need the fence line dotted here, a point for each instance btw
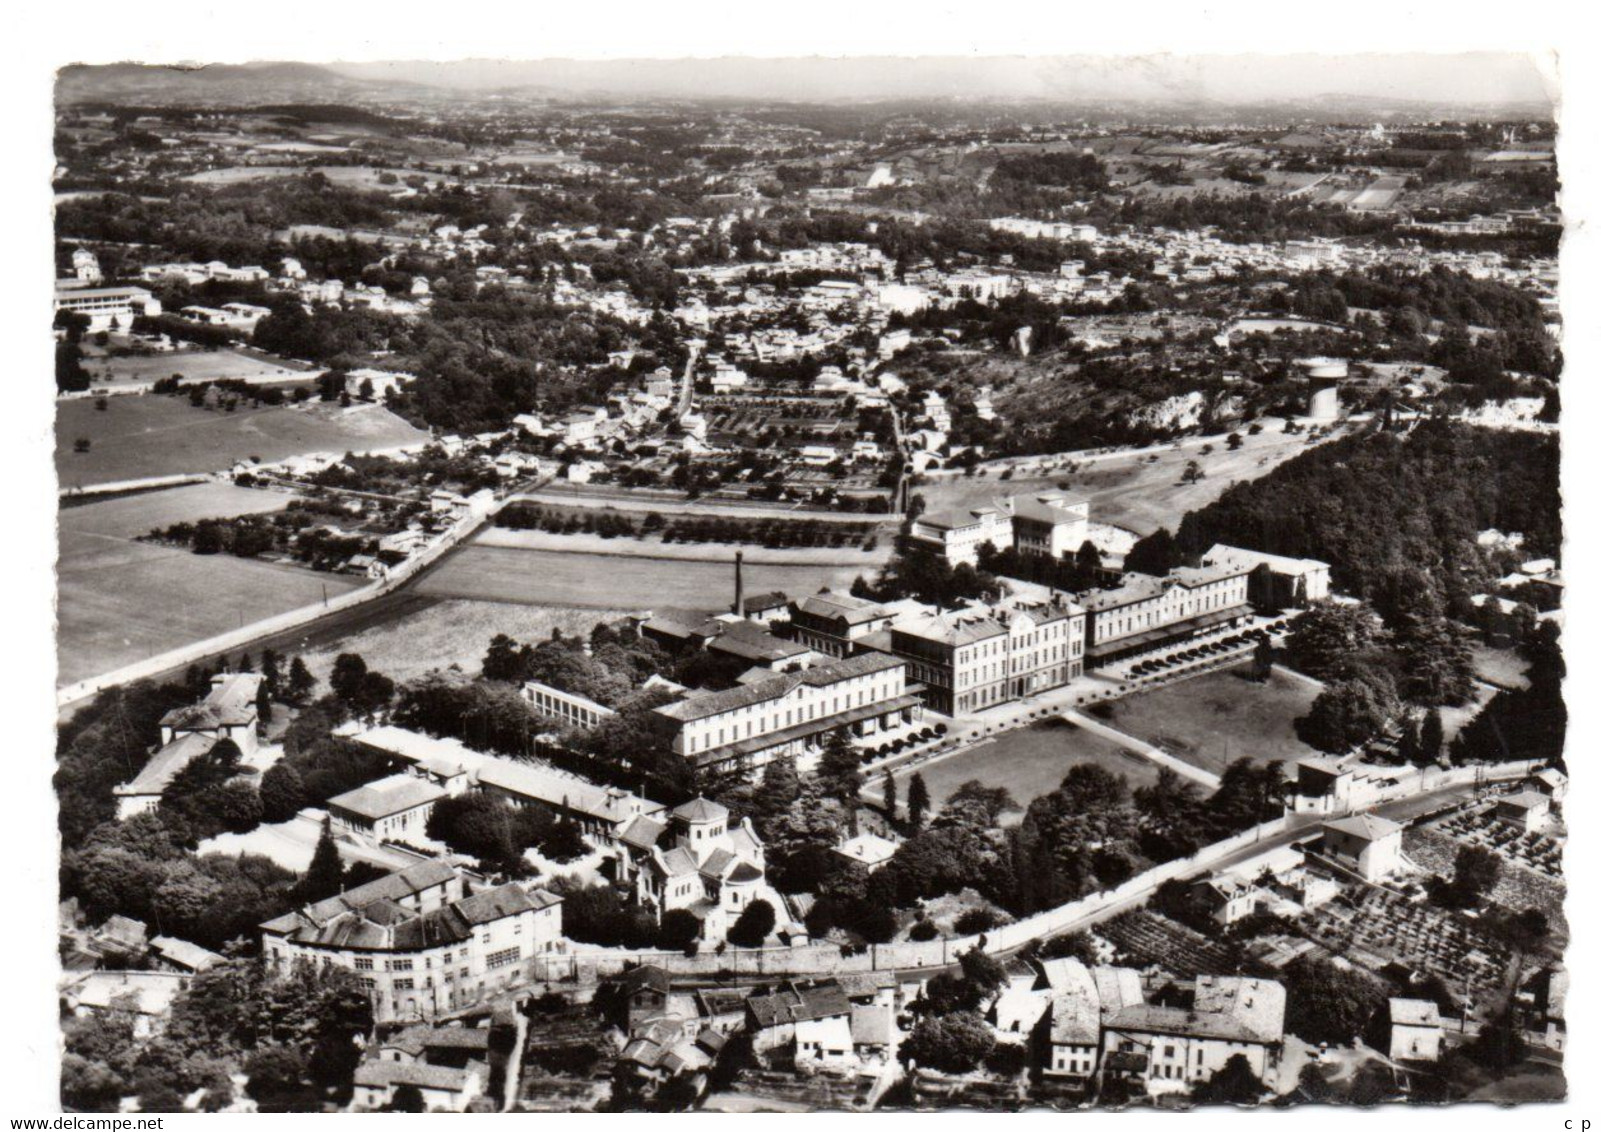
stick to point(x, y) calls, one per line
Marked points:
point(828, 959)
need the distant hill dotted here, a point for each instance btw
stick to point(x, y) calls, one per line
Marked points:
point(221, 83)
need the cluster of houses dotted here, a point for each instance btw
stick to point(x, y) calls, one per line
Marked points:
point(1077, 1025)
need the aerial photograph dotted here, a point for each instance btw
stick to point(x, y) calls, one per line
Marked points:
point(790, 585)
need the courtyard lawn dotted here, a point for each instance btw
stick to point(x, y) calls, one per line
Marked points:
point(119, 600)
point(1029, 761)
point(599, 581)
point(146, 435)
point(1211, 720)
point(449, 634)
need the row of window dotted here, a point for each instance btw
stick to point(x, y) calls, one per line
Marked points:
point(760, 723)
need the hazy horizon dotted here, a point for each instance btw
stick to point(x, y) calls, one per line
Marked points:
point(1480, 78)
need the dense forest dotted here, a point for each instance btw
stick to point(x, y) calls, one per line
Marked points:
point(1379, 505)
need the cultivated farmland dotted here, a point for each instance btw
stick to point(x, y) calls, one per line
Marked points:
point(148, 435)
point(120, 600)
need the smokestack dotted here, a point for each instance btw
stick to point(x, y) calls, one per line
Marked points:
point(739, 584)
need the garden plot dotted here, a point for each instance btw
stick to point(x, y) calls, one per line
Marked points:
point(1375, 927)
point(1517, 887)
point(1535, 851)
point(1144, 937)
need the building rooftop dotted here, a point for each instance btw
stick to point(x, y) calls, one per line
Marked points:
point(384, 1074)
point(1367, 826)
point(387, 797)
point(164, 765)
point(820, 676)
point(1414, 1012)
point(841, 607)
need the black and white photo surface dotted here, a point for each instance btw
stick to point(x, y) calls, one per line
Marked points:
point(850, 584)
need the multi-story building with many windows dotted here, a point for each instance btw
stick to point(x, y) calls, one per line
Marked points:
point(418, 942)
point(1144, 612)
point(971, 659)
point(790, 712)
point(1049, 523)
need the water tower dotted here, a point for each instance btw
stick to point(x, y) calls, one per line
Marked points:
point(1325, 374)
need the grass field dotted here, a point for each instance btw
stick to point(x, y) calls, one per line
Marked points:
point(119, 600)
point(1029, 761)
point(596, 581)
point(198, 365)
point(1214, 719)
point(352, 176)
point(142, 436)
point(450, 633)
point(1133, 492)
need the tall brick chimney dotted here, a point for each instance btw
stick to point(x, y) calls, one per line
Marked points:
point(739, 583)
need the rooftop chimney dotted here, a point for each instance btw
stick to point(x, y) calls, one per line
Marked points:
point(739, 584)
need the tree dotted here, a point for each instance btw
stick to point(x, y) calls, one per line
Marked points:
point(951, 1043)
point(1235, 441)
point(917, 802)
point(408, 1097)
point(1193, 472)
point(1325, 1002)
point(839, 769)
point(1350, 712)
point(754, 925)
point(277, 1079)
point(283, 795)
point(890, 800)
point(1235, 1083)
point(504, 660)
point(301, 681)
point(1329, 641)
point(325, 876)
point(680, 928)
point(348, 677)
point(1431, 741)
point(1474, 875)
point(1155, 554)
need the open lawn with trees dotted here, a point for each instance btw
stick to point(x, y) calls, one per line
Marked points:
point(1029, 761)
point(1211, 720)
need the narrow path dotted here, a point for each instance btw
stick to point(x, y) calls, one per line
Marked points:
point(514, 1062)
point(1140, 747)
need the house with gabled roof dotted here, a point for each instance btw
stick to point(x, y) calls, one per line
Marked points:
point(190, 732)
point(443, 1088)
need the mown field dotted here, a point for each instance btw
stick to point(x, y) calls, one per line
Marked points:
point(112, 373)
point(119, 600)
point(149, 435)
point(1029, 761)
point(453, 633)
point(1212, 720)
point(598, 581)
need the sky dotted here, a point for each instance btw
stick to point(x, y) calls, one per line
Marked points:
point(1459, 79)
